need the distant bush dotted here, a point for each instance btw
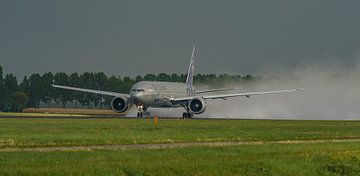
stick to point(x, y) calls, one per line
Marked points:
point(343, 166)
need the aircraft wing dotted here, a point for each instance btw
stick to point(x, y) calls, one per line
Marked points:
point(214, 90)
point(225, 96)
point(115, 94)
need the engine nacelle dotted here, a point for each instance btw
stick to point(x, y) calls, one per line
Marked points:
point(197, 105)
point(120, 104)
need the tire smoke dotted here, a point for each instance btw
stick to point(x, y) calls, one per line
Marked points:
point(331, 92)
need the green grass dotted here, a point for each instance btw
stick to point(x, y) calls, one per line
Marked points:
point(325, 158)
point(19, 114)
point(74, 132)
point(271, 159)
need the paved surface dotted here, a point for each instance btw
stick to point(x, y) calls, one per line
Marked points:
point(169, 145)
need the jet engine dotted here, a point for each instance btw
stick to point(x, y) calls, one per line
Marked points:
point(120, 104)
point(197, 105)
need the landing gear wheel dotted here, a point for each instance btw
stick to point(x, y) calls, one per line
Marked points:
point(187, 115)
point(140, 111)
point(139, 114)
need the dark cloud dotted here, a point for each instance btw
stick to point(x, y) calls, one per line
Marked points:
point(137, 37)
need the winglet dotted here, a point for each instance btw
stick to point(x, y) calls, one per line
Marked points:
point(190, 75)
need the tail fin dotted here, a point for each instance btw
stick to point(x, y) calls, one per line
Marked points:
point(190, 74)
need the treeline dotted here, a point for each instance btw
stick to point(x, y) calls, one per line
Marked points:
point(36, 88)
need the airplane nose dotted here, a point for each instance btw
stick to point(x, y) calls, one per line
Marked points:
point(137, 94)
point(137, 97)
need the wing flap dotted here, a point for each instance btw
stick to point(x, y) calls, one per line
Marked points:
point(214, 90)
point(248, 94)
point(224, 96)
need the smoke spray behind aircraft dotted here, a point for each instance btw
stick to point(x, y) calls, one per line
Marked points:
point(331, 92)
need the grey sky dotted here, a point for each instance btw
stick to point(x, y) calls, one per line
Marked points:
point(136, 37)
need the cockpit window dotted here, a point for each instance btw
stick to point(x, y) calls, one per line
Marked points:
point(137, 90)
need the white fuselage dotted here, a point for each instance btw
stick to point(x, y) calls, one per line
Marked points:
point(158, 94)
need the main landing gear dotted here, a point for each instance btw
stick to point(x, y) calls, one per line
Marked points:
point(187, 114)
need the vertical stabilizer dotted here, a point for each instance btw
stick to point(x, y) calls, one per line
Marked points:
point(190, 74)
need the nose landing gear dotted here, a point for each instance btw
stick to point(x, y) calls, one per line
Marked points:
point(140, 114)
point(140, 111)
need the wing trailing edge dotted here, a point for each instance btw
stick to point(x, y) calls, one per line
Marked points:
point(225, 96)
point(108, 93)
point(214, 90)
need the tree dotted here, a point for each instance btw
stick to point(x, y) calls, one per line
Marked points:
point(1, 74)
point(163, 77)
point(86, 82)
point(74, 81)
point(138, 78)
point(114, 84)
point(25, 87)
point(248, 78)
point(2, 100)
point(99, 80)
point(36, 90)
point(175, 78)
point(48, 94)
point(10, 86)
point(62, 95)
point(149, 77)
point(127, 83)
point(17, 101)
point(182, 77)
point(199, 78)
point(224, 79)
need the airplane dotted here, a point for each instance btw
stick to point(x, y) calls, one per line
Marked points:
point(145, 94)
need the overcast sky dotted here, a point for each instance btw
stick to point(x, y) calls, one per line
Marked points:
point(137, 37)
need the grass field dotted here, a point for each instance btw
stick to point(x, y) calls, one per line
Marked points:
point(36, 114)
point(73, 111)
point(286, 159)
point(323, 158)
point(69, 132)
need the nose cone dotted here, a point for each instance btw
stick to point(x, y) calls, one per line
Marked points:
point(138, 93)
point(138, 97)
